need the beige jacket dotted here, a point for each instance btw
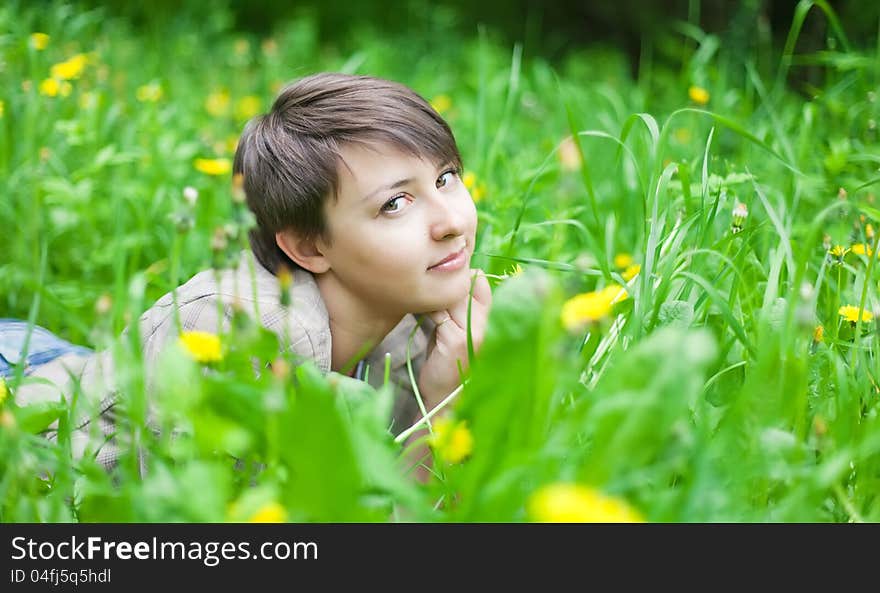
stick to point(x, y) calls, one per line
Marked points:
point(303, 328)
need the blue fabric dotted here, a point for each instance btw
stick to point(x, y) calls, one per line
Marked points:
point(43, 346)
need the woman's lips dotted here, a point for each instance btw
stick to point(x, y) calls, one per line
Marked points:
point(451, 263)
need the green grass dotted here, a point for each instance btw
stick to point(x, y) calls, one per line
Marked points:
point(701, 397)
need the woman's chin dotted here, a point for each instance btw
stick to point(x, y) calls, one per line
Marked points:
point(442, 302)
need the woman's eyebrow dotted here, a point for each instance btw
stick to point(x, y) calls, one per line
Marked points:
point(396, 185)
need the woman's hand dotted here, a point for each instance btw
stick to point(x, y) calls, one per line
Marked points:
point(447, 345)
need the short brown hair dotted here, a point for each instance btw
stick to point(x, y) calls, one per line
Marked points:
point(288, 158)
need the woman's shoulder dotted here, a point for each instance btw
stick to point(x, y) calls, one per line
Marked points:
point(210, 299)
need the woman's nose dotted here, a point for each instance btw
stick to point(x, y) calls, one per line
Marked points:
point(447, 217)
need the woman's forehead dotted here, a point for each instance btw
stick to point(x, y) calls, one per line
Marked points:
point(367, 167)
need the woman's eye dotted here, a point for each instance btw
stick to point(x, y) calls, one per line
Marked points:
point(393, 205)
point(446, 177)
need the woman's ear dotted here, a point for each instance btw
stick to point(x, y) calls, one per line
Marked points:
point(304, 252)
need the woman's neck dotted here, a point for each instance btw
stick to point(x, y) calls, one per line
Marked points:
point(355, 326)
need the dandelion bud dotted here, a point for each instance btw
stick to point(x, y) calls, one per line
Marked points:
point(820, 427)
point(806, 291)
point(103, 304)
point(805, 311)
point(7, 420)
point(869, 231)
point(585, 261)
point(270, 47)
point(238, 195)
point(740, 213)
point(826, 241)
point(183, 221)
point(280, 368)
point(190, 194)
point(218, 240)
point(841, 194)
point(231, 231)
point(285, 281)
point(569, 155)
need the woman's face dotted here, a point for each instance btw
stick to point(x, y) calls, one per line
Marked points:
point(395, 218)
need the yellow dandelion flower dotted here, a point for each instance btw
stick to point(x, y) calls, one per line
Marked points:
point(149, 93)
point(862, 249)
point(818, 333)
point(452, 441)
point(247, 107)
point(590, 306)
point(869, 231)
point(475, 188)
point(2, 108)
point(573, 503)
point(623, 260)
point(698, 95)
point(4, 391)
point(52, 88)
point(631, 272)
point(49, 87)
point(584, 308)
point(851, 314)
point(514, 270)
point(217, 103)
point(441, 103)
point(213, 166)
point(202, 346)
point(614, 293)
point(71, 68)
point(38, 41)
point(569, 155)
point(271, 512)
point(838, 251)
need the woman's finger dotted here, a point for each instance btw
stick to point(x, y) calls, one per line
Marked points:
point(481, 291)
